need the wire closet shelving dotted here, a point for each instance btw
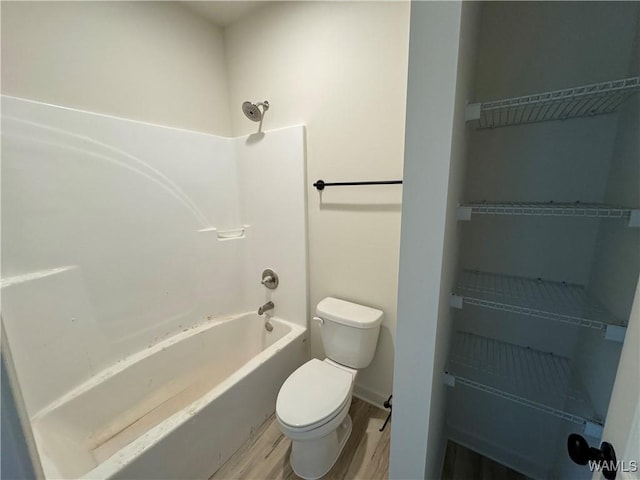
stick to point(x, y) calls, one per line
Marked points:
point(535, 379)
point(549, 209)
point(556, 301)
point(587, 100)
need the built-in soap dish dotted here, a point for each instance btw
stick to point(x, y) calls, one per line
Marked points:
point(227, 233)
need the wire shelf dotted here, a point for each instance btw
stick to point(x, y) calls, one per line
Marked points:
point(544, 209)
point(588, 100)
point(535, 379)
point(558, 301)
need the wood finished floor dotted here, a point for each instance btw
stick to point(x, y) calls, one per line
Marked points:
point(266, 454)
point(460, 463)
point(365, 456)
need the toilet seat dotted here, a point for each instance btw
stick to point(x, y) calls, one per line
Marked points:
point(313, 395)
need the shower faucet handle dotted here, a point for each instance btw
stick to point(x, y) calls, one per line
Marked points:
point(270, 279)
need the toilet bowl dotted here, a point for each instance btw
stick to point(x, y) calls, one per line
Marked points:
point(312, 407)
point(312, 410)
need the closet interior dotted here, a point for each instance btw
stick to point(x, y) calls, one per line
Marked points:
point(550, 230)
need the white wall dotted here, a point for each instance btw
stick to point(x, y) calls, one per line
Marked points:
point(622, 428)
point(340, 68)
point(103, 243)
point(431, 105)
point(616, 264)
point(465, 85)
point(156, 62)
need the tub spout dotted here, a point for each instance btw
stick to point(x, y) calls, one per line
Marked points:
point(265, 308)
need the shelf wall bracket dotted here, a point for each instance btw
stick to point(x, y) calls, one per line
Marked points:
point(593, 429)
point(448, 379)
point(634, 219)
point(455, 301)
point(615, 333)
point(472, 112)
point(463, 213)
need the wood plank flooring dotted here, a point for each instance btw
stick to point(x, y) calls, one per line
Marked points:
point(460, 463)
point(365, 456)
point(266, 454)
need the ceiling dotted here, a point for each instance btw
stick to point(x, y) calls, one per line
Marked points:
point(224, 14)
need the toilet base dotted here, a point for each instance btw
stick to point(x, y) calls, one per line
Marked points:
point(312, 459)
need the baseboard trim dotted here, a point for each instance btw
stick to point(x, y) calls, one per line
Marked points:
point(370, 396)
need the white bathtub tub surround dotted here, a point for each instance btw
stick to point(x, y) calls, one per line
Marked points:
point(118, 237)
point(178, 409)
point(122, 203)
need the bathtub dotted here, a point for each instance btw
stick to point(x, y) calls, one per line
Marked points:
point(179, 409)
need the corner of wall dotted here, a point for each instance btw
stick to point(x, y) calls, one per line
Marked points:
point(117, 58)
point(465, 80)
point(433, 70)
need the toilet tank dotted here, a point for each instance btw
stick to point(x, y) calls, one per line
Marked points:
point(349, 331)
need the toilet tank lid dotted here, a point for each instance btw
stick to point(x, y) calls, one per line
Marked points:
point(347, 313)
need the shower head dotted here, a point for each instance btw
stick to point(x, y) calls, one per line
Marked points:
point(252, 111)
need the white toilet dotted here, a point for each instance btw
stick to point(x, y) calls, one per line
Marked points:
point(313, 403)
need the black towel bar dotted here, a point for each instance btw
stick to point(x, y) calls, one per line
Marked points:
point(320, 184)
